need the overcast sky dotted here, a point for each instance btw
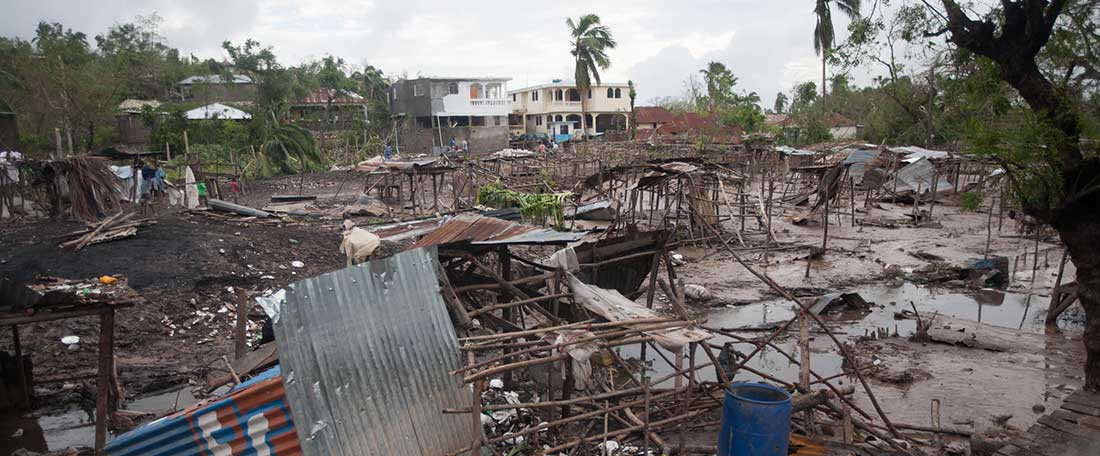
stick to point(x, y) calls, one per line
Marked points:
point(766, 43)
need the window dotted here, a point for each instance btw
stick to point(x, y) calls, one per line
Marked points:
point(513, 98)
point(452, 88)
point(549, 119)
point(493, 91)
point(610, 93)
point(538, 120)
point(558, 118)
point(476, 91)
point(618, 93)
point(418, 90)
point(395, 93)
point(496, 120)
point(589, 94)
point(424, 122)
point(559, 95)
point(477, 121)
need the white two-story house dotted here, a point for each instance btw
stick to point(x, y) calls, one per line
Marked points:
point(555, 108)
point(432, 111)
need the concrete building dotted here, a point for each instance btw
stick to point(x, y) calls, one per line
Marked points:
point(555, 108)
point(430, 111)
point(843, 128)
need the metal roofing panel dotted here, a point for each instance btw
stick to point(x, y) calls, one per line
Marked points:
point(860, 156)
point(252, 419)
point(477, 229)
point(366, 353)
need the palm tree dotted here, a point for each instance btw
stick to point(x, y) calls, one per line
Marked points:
point(719, 82)
point(590, 44)
point(823, 32)
point(633, 116)
point(291, 142)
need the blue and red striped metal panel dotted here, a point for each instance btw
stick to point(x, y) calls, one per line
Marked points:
point(252, 419)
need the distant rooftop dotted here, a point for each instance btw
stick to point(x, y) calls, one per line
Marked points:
point(567, 83)
point(136, 106)
point(215, 79)
point(455, 78)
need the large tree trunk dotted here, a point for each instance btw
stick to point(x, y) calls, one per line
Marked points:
point(1024, 30)
point(1081, 234)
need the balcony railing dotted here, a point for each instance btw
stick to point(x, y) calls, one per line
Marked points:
point(489, 102)
point(569, 104)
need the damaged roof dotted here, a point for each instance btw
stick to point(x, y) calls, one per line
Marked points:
point(366, 355)
point(480, 230)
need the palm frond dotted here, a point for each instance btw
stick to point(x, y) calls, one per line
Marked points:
point(849, 7)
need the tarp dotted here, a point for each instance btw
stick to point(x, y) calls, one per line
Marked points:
point(127, 183)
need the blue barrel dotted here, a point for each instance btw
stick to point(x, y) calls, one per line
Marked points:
point(756, 421)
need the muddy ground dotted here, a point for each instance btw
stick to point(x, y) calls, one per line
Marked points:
point(186, 265)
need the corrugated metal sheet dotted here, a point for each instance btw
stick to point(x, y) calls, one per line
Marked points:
point(366, 353)
point(253, 419)
point(322, 97)
point(919, 174)
point(479, 230)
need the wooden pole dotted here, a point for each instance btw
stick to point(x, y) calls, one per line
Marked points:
point(57, 139)
point(240, 331)
point(988, 230)
point(804, 368)
point(103, 381)
point(25, 390)
point(1055, 294)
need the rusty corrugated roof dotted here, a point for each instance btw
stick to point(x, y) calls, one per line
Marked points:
point(477, 229)
point(321, 96)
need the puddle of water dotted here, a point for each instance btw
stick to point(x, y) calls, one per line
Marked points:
point(1010, 310)
point(72, 427)
point(47, 433)
point(165, 401)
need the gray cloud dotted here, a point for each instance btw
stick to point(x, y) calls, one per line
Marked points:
point(766, 43)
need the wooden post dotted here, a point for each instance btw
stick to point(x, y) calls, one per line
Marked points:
point(852, 198)
point(935, 185)
point(804, 368)
point(504, 259)
point(1055, 294)
point(25, 399)
point(475, 408)
point(103, 381)
point(57, 139)
point(825, 236)
point(240, 331)
point(988, 230)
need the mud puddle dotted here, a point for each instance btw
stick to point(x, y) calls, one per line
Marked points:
point(55, 430)
point(45, 433)
point(1006, 309)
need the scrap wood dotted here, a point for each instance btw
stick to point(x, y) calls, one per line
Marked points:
point(262, 357)
point(613, 306)
point(114, 227)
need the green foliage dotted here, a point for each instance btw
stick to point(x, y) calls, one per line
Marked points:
point(535, 208)
point(591, 41)
point(289, 149)
point(970, 201)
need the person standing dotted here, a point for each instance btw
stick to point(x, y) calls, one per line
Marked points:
point(465, 147)
point(387, 153)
